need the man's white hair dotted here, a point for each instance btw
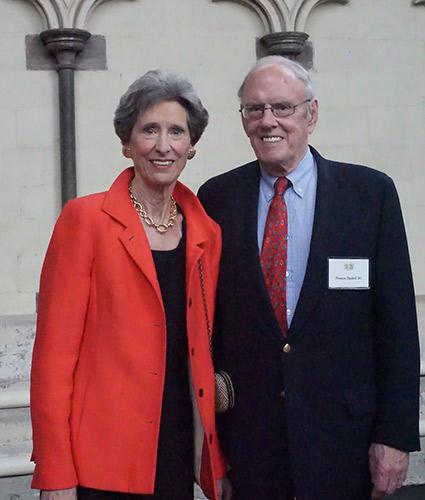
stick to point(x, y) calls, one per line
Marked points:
point(296, 68)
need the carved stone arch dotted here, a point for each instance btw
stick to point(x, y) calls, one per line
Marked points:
point(274, 14)
point(66, 13)
point(83, 10)
point(49, 13)
point(284, 15)
point(303, 9)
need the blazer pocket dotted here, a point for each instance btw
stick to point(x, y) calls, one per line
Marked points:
point(360, 402)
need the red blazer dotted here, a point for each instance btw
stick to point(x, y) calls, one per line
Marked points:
point(99, 356)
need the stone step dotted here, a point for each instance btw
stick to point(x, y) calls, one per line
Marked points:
point(15, 442)
point(15, 426)
point(15, 430)
point(15, 395)
point(16, 339)
point(17, 488)
point(416, 472)
point(16, 342)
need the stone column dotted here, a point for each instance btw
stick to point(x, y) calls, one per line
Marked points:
point(284, 43)
point(291, 44)
point(65, 44)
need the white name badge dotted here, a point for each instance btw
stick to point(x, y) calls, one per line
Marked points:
point(349, 273)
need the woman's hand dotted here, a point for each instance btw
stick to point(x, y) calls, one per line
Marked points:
point(224, 489)
point(68, 494)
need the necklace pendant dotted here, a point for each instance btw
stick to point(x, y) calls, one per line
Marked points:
point(161, 228)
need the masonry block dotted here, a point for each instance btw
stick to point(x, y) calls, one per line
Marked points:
point(9, 132)
point(8, 266)
point(29, 132)
point(11, 54)
point(14, 302)
point(29, 266)
point(38, 203)
point(16, 342)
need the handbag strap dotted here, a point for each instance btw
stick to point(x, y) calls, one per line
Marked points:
point(204, 300)
point(224, 392)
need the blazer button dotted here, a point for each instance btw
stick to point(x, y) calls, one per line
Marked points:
point(287, 348)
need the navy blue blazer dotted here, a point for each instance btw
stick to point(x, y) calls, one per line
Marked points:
point(351, 376)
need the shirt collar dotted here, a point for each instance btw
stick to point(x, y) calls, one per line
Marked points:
point(299, 177)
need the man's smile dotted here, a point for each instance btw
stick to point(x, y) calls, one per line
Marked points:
point(272, 138)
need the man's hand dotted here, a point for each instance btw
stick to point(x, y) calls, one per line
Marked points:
point(68, 494)
point(224, 489)
point(388, 469)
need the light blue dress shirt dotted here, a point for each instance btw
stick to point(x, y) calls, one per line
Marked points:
point(300, 199)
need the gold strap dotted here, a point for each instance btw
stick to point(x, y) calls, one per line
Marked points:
point(204, 300)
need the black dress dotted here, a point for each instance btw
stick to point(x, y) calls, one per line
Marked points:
point(174, 474)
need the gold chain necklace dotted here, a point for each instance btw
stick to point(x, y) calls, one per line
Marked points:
point(143, 214)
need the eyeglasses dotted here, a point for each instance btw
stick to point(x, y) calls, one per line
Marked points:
point(279, 110)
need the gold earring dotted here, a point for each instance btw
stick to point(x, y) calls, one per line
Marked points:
point(191, 153)
point(126, 152)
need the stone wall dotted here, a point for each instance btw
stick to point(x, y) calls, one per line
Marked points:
point(369, 74)
point(368, 69)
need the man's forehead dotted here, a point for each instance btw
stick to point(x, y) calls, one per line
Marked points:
point(273, 69)
point(272, 78)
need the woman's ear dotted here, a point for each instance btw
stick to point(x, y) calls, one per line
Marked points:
point(126, 152)
point(191, 153)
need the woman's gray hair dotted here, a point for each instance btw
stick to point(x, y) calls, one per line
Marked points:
point(296, 68)
point(154, 87)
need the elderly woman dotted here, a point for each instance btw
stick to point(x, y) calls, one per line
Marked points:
point(122, 377)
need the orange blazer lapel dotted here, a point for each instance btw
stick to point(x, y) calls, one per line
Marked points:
point(118, 205)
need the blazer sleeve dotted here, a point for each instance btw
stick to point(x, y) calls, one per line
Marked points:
point(62, 307)
point(397, 340)
point(217, 453)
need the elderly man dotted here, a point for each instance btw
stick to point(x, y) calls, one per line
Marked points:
point(316, 321)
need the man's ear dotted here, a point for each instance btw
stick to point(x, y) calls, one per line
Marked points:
point(244, 126)
point(314, 115)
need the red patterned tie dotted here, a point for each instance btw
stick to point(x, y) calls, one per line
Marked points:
point(274, 253)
